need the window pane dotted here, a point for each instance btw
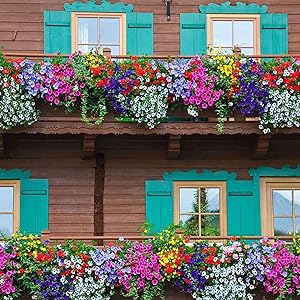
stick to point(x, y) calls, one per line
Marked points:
point(283, 226)
point(297, 202)
point(210, 225)
point(282, 202)
point(87, 30)
point(243, 35)
point(115, 50)
point(297, 226)
point(247, 51)
point(110, 31)
point(210, 200)
point(6, 199)
point(6, 225)
point(87, 48)
point(222, 33)
point(188, 200)
point(191, 223)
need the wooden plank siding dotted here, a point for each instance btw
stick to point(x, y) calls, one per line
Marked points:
point(71, 180)
point(26, 16)
point(129, 161)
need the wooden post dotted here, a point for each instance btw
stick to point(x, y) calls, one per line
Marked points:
point(107, 53)
point(237, 51)
point(45, 235)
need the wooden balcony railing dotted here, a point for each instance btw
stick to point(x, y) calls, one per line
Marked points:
point(46, 235)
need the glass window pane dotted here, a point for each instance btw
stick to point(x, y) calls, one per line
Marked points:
point(210, 200)
point(297, 220)
point(210, 225)
point(6, 225)
point(243, 33)
point(87, 30)
point(115, 50)
point(283, 226)
point(87, 48)
point(282, 202)
point(188, 200)
point(6, 199)
point(222, 33)
point(110, 31)
point(297, 202)
point(191, 223)
point(247, 51)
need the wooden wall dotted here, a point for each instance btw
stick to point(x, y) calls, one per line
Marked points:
point(71, 180)
point(130, 160)
point(26, 16)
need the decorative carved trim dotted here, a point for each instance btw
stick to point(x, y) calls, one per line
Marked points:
point(174, 147)
point(88, 146)
point(2, 147)
point(228, 8)
point(285, 171)
point(92, 6)
point(259, 146)
point(14, 174)
point(206, 175)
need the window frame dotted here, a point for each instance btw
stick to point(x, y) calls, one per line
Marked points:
point(234, 17)
point(202, 184)
point(74, 27)
point(267, 212)
point(16, 202)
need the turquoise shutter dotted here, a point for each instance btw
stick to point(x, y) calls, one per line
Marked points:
point(34, 206)
point(139, 33)
point(159, 204)
point(193, 39)
point(243, 212)
point(57, 32)
point(274, 33)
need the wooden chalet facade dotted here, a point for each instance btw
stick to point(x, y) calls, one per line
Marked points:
point(107, 180)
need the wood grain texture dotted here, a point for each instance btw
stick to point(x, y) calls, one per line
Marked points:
point(27, 18)
point(71, 180)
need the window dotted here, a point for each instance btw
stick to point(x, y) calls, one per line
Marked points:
point(201, 206)
point(9, 207)
point(280, 206)
point(90, 31)
point(227, 31)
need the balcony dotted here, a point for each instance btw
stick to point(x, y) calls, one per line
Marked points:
point(221, 102)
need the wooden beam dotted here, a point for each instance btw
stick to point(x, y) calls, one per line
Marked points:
point(88, 146)
point(259, 146)
point(174, 146)
point(2, 147)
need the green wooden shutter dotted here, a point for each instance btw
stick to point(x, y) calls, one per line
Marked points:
point(274, 33)
point(243, 213)
point(193, 39)
point(139, 33)
point(34, 206)
point(57, 32)
point(159, 204)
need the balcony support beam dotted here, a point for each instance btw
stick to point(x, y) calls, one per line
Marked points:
point(174, 146)
point(88, 146)
point(259, 146)
point(2, 147)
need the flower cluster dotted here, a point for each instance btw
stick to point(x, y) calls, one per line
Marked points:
point(250, 92)
point(142, 90)
point(139, 270)
point(7, 272)
point(16, 106)
point(283, 271)
point(201, 86)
